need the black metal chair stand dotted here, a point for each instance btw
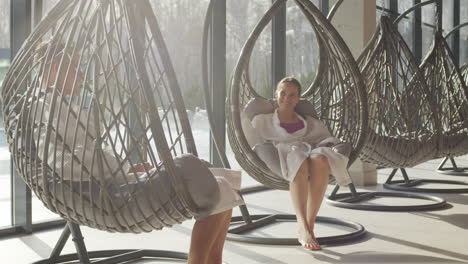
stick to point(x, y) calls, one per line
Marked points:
point(255, 189)
point(103, 256)
point(407, 184)
point(247, 223)
point(353, 199)
point(454, 170)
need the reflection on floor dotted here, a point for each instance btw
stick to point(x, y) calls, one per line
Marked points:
point(393, 237)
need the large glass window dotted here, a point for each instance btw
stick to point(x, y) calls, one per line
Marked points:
point(428, 14)
point(302, 51)
point(242, 16)
point(383, 8)
point(406, 25)
point(463, 33)
point(5, 179)
point(40, 213)
point(448, 21)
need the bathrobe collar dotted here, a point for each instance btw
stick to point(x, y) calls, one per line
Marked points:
point(299, 133)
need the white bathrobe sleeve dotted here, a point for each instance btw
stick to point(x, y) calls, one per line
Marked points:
point(294, 148)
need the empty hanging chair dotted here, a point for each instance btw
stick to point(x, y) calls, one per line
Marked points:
point(402, 116)
point(336, 97)
point(96, 122)
point(450, 84)
point(360, 200)
point(404, 122)
point(448, 87)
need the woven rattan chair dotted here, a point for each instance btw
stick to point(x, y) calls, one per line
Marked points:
point(358, 200)
point(451, 94)
point(90, 96)
point(337, 95)
point(447, 84)
point(458, 127)
point(404, 121)
point(401, 113)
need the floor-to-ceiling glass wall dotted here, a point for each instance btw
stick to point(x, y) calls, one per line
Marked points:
point(302, 51)
point(5, 179)
point(40, 213)
point(463, 33)
point(454, 12)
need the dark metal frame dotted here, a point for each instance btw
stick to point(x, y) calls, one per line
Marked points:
point(278, 46)
point(104, 256)
point(352, 200)
point(20, 28)
point(407, 184)
point(9, 231)
point(217, 67)
point(417, 33)
point(455, 42)
point(237, 233)
point(454, 170)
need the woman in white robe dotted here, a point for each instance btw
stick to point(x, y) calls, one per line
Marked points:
point(306, 156)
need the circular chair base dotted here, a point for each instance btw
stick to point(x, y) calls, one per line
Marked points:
point(453, 172)
point(119, 256)
point(402, 185)
point(350, 201)
point(358, 232)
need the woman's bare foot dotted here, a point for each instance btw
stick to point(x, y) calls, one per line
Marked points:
point(308, 240)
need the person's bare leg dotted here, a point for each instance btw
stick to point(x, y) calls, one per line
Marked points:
point(298, 189)
point(319, 173)
point(216, 252)
point(205, 240)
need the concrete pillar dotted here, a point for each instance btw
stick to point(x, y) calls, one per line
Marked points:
point(355, 20)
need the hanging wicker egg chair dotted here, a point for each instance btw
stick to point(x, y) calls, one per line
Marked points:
point(342, 99)
point(447, 85)
point(390, 75)
point(405, 126)
point(336, 94)
point(403, 122)
point(454, 104)
point(97, 126)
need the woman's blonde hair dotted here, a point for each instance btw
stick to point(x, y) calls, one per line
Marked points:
point(289, 79)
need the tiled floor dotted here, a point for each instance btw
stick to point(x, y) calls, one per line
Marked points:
point(392, 237)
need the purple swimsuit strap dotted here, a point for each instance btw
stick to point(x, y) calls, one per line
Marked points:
point(292, 127)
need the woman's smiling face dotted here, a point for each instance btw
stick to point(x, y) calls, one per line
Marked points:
point(288, 96)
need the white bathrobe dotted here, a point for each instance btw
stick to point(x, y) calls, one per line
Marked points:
point(294, 148)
